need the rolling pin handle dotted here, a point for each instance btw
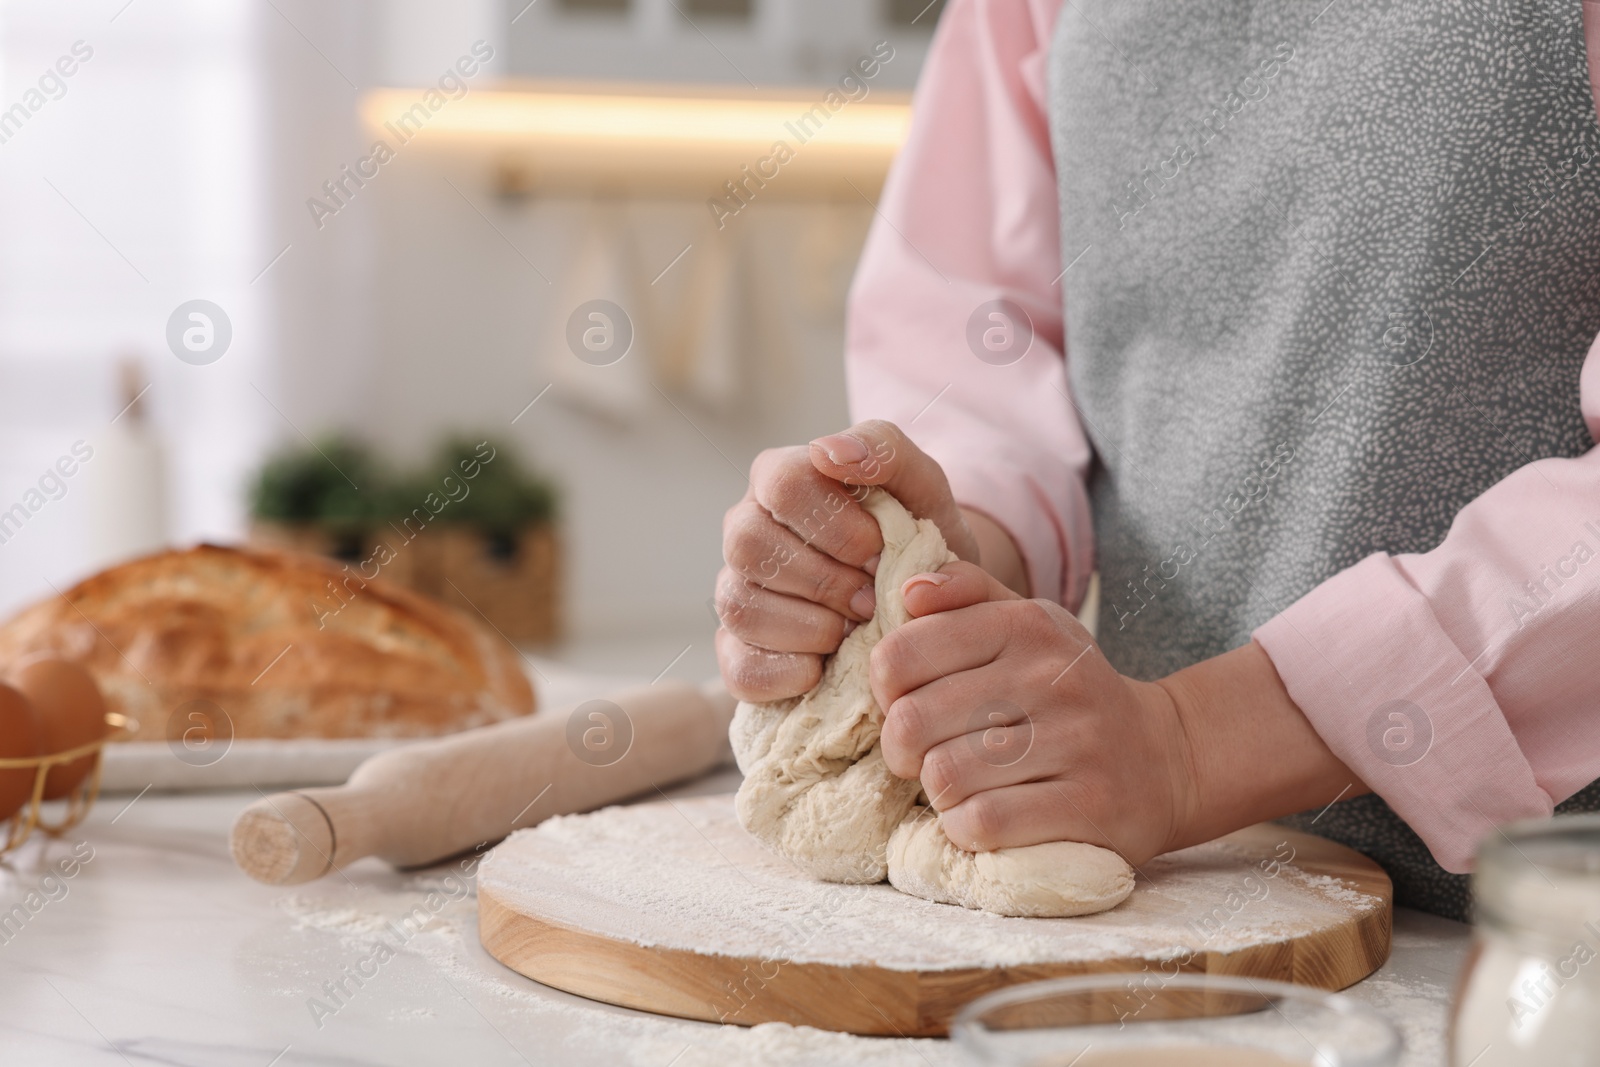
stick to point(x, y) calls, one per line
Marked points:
point(284, 839)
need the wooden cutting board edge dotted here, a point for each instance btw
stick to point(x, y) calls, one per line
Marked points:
point(876, 1001)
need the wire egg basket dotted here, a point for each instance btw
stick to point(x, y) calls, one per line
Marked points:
point(29, 817)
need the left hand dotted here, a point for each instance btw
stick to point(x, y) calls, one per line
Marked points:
point(1020, 730)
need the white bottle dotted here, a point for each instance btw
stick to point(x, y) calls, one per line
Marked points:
point(126, 480)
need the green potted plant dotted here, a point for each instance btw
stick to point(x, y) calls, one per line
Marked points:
point(494, 547)
point(320, 499)
point(475, 528)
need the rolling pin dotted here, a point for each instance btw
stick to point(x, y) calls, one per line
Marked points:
point(426, 801)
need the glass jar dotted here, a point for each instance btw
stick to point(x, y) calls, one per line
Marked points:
point(1183, 1020)
point(1530, 993)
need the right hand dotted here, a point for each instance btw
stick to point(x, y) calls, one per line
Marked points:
point(800, 552)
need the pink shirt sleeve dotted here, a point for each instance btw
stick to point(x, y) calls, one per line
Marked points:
point(1487, 639)
point(968, 216)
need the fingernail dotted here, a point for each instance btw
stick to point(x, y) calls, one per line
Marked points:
point(849, 627)
point(871, 565)
point(933, 578)
point(842, 448)
point(865, 600)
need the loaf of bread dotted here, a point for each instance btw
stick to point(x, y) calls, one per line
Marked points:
point(285, 644)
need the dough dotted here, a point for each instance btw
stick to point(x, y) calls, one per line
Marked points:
point(817, 791)
point(816, 788)
point(1057, 878)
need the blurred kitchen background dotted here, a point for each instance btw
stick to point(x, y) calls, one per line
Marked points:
point(185, 157)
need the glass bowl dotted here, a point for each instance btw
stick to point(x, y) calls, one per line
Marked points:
point(1152, 1019)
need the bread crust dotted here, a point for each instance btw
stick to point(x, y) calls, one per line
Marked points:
point(287, 644)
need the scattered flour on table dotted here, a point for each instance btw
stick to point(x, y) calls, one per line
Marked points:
point(414, 1013)
point(349, 922)
point(685, 875)
point(532, 1015)
point(1421, 1012)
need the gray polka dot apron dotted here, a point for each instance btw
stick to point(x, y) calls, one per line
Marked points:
point(1335, 268)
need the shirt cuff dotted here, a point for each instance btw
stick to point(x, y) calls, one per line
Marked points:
point(1058, 559)
point(1368, 663)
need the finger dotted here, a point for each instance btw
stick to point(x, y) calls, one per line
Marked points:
point(1028, 632)
point(876, 452)
point(938, 645)
point(757, 675)
point(774, 621)
point(989, 758)
point(943, 710)
point(1017, 815)
point(768, 553)
point(955, 585)
point(819, 510)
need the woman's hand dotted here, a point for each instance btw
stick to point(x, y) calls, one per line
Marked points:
point(800, 552)
point(1021, 731)
point(1018, 727)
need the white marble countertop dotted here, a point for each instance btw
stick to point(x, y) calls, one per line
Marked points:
point(157, 951)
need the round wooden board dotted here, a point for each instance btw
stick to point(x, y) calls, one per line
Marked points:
point(670, 907)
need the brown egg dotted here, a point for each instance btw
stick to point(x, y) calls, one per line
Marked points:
point(19, 739)
point(71, 712)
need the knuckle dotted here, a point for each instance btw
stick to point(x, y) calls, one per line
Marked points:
point(940, 778)
point(756, 674)
point(747, 672)
point(786, 482)
point(886, 665)
point(834, 588)
point(738, 615)
point(988, 822)
point(824, 630)
point(764, 461)
point(1050, 675)
point(743, 519)
point(981, 822)
point(731, 654)
point(816, 523)
point(1063, 625)
point(1058, 617)
point(1028, 623)
point(860, 541)
point(737, 590)
point(901, 731)
point(833, 524)
point(729, 583)
point(771, 463)
point(723, 599)
point(748, 534)
point(731, 664)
